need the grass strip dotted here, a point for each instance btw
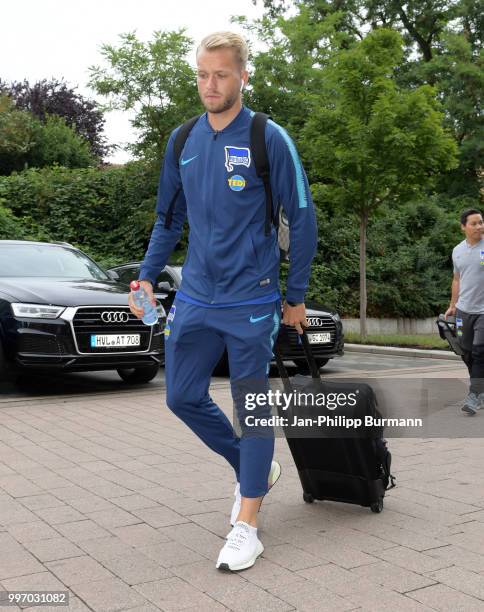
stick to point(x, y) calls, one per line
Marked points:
point(418, 341)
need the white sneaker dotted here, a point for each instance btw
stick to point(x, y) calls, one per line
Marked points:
point(274, 474)
point(471, 404)
point(480, 401)
point(241, 548)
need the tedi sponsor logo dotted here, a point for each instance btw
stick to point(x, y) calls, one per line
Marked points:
point(236, 182)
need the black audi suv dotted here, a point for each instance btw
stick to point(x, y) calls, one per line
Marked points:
point(325, 331)
point(61, 312)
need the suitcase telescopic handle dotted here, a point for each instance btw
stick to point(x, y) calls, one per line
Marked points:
point(282, 369)
point(308, 353)
point(313, 366)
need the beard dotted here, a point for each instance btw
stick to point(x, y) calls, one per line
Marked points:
point(220, 106)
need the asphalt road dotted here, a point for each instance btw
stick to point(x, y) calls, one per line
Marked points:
point(108, 381)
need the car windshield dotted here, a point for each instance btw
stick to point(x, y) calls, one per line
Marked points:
point(27, 260)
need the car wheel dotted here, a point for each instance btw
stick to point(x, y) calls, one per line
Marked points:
point(139, 375)
point(303, 367)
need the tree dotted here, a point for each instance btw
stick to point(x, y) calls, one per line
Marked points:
point(421, 23)
point(370, 142)
point(442, 47)
point(26, 142)
point(57, 143)
point(155, 80)
point(46, 98)
point(459, 78)
point(283, 75)
point(17, 136)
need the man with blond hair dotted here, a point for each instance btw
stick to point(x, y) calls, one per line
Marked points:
point(229, 297)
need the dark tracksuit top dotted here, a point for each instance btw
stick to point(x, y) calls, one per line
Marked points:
point(230, 259)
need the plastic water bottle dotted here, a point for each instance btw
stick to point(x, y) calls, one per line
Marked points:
point(141, 300)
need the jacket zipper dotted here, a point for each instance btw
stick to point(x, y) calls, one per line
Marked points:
point(210, 226)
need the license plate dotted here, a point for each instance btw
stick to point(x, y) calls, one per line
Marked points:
point(319, 338)
point(114, 340)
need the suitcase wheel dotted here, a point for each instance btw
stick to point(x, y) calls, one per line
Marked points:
point(377, 506)
point(308, 498)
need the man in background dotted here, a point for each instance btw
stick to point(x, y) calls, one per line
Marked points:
point(467, 304)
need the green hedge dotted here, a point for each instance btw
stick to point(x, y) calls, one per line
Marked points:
point(409, 267)
point(106, 212)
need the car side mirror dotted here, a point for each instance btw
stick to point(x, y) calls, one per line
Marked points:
point(165, 286)
point(113, 275)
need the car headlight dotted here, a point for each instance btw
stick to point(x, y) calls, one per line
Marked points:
point(336, 317)
point(36, 311)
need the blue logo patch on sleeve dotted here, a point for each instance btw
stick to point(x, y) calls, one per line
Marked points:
point(236, 156)
point(236, 182)
point(171, 314)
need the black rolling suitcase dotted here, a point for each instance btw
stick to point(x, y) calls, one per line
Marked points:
point(339, 465)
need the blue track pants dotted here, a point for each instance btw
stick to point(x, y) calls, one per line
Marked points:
point(195, 338)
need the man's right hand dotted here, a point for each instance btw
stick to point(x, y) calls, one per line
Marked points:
point(450, 312)
point(148, 289)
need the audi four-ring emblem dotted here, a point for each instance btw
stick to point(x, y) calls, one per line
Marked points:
point(113, 316)
point(315, 321)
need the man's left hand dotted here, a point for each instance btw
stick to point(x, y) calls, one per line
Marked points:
point(295, 316)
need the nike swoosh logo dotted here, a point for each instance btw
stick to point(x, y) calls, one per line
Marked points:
point(184, 162)
point(255, 319)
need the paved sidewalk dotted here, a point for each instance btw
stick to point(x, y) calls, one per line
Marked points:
point(111, 497)
point(400, 351)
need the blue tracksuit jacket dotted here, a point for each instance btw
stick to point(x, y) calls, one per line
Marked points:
point(229, 258)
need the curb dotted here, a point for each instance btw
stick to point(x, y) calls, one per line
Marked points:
point(399, 351)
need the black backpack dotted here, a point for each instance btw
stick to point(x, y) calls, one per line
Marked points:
point(262, 168)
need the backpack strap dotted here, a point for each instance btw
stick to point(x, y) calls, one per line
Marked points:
point(181, 137)
point(261, 161)
point(180, 140)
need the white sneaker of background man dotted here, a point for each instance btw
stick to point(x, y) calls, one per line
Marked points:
point(473, 403)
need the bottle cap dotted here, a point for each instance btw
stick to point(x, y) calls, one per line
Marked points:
point(134, 285)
